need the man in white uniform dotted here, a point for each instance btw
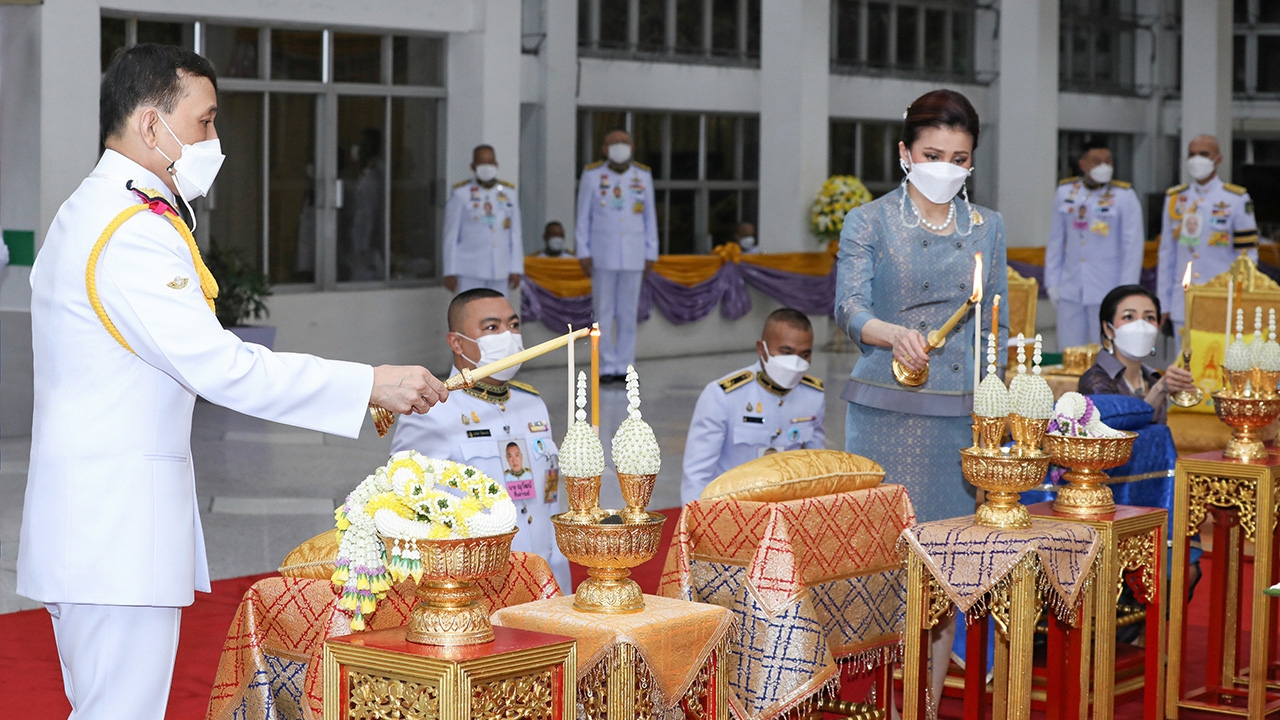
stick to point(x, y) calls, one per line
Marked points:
point(498, 425)
point(617, 237)
point(481, 243)
point(1207, 222)
point(768, 406)
point(124, 339)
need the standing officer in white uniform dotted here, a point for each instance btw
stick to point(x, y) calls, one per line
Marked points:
point(124, 339)
point(478, 426)
point(481, 242)
point(1207, 222)
point(766, 407)
point(617, 237)
point(1095, 244)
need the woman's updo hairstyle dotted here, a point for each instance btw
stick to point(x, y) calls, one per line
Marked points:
point(939, 109)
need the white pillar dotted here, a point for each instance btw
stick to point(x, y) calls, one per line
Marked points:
point(559, 116)
point(484, 90)
point(1027, 119)
point(1206, 75)
point(794, 119)
point(19, 140)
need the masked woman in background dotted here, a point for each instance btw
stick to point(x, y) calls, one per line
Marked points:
point(906, 262)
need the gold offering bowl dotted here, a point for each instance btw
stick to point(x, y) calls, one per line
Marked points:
point(1087, 457)
point(447, 612)
point(636, 492)
point(1003, 475)
point(609, 551)
point(1245, 416)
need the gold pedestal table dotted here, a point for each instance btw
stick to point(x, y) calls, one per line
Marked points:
point(1132, 544)
point(642, 664)
point(1241, 496)
point(1008, 575)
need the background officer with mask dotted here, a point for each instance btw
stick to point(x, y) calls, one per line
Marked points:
point(552, 240)
point(477, 426)
point(766, 407)
point(481, 244)
point(1207, 222)
point(1095, 244)
point(617, 237)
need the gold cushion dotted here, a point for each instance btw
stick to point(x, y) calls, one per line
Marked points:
point(313, 558)
point(795, 474)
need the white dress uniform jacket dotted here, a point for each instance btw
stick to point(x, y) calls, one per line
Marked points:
point(1096, 241)
point(617, 222)
point(482, 231)
point(476, 431)
point(1207, 224)
point(110, 513)
point(743, 416)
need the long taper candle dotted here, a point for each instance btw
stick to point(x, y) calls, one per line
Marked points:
point(1186, 283)
point(1231, 289)
point(977, 349)
point(595, 375)
point(569, 420)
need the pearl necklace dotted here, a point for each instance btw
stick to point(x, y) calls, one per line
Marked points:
point(951, 215)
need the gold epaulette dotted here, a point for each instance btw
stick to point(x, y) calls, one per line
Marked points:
point(507, 184)
point(1068, 181)
point(1176, 189)
point(1122, 184)
point(523, 386)
point(812, 382)
point(642, 166)
point(461, 183)
point(1233, 188)
point(734, 382)
point(594, 165)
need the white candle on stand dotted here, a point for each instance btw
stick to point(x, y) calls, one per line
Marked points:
point(572, 380)
point(1231, 286)
point(977, 350)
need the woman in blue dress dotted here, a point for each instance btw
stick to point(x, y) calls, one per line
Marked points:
point(905, 264)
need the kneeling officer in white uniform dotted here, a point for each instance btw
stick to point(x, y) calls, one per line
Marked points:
point(124, 338)
point(764, 408)
point(500, 426)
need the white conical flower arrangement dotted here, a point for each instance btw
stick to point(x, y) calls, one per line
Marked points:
point(991, 397)
point(1032, 397)
point(635, 447)
point(581, 454)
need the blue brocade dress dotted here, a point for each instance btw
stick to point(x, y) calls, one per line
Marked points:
point(909, 276)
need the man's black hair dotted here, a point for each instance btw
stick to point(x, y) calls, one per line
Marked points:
point(1094, 143)
point(790, 316)
point(463, 299)
point(143, 75)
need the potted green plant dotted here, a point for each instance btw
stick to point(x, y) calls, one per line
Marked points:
point(242, 293)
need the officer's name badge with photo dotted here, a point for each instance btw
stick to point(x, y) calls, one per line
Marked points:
point(178, 282)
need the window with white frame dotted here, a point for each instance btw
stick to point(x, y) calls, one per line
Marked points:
point(917, 38)
point(706, 170)
point(333, 173)
point(678, 30)
point(868, 150)
point(1257, 48)
point(1096, 46)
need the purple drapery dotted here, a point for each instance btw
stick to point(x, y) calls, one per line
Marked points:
point(680, 304)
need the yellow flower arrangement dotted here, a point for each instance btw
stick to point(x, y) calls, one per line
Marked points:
point(839, 195)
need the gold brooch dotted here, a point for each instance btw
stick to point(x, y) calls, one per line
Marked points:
point(178, 282)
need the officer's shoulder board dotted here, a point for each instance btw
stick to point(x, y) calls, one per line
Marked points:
point(1069, 180)
point(594, 165)
point(1176, 189)
point(642, 166)
point(812, 382)
point(154, 198)
point(1121, 184)
point(1234, 189)
point(504, 183)
point(523, 386)
point(460, 183)
point(733, 382)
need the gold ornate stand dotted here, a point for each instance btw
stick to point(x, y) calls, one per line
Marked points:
point(1242, 498)
point(1132, 542)
point(381, 675)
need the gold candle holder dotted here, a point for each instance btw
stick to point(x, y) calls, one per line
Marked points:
point(609, 551)
point(1087, 457)
point(636, 492)
point(584, 499)
point(1245, 416)
point(447, 612)
point(1191, 398)
point(1003, 476)
point(1238, 380)
point(988, 433)
point(1028, 433)
point(1267, 382)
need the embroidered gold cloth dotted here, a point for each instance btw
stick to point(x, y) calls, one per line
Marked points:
point(271, 660)
point(674, 638)
point(970, 561)
point(811, 581)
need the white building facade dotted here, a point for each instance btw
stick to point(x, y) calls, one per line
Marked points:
point(345, 123)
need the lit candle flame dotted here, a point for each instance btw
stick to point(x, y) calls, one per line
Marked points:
point(977, 278)
point(1186, 277)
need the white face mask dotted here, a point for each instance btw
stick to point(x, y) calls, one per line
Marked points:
point(747, 242)
point(555, 243)
point(786, 370)
point(497, 347)
point(1135, 340)
point(1101, 174)
point(619, 153)
point(1199, 167)
point(938, 181)
point(194, 170)
point(486, 173)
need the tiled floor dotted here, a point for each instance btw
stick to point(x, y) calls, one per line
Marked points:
point(264, 488)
